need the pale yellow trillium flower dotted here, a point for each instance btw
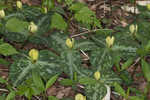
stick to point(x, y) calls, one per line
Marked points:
point(97, 75)
point(19, 4)
point(45, 10)
point(148, 7)
point(34, 55)
point(133, 28)
point(33, 27)
point(80, 97)
point(110, 41)
point(70, 43)
point(2, 13)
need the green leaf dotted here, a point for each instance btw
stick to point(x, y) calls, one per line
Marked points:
point(127, 64)
point(117, 62)
point(119, 89)
point(21, 89)
point(3, 97)
point(85, 45)
point(76, 7)
point(67, 99)
point(87, 81)
point(2, 80)
point(48, 3)
point(38, 81)
point(1, 41)
point(59, 1)
point(21, 69)
point(147, 47)
point(66, 82)
point(146, 69)
point(29, 93)
point(57, 22)
point(36, 91)
point(136, 98)
point(59, 10)
point(16, 25)
point(7, 50)
point(3, 6)
point(126, 77)
point(4, 62)
point(84, 15)
point(51, 81)
point(52, 98)
point(68, 2)
point(11, 96)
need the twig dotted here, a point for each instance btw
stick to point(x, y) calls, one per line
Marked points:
point(89, 31)
point(85, 54)
point(113, 92)
point(4, 90)
point(104, 8)
point(136, 61)
point(3, 69)
point(37, 97)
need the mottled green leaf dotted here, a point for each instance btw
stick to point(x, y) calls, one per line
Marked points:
point(87, 81)
point(127, 64)
point(52, 98)
point(38, 81)
point(16, 25)
point(51, 81)
point(66, 82)
point(57, 22)
point(4, 62)
point(2, 80)
point(119, 89)
point(136, 98)
point(7, 50)
point(146, 70)
point(11, 96)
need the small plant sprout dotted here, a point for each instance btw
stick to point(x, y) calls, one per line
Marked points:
point(2, 13)
point(148, 7)
point(133, 28)
point(80, 97)
point(97, 75)
point(19, 4)
point(33, 27)
point(70, 43)
point(34, 55)
point(110, 41)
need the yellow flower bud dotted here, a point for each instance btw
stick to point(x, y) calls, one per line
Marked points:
point(97, 75)
point(80, 97)
point(110, 41)
point(133, 28)
point(45, 10)
point(32, 27)
point(70, 42)
point(34, 54)
point(19, 4)
point(148, 7)
point(2, 13)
